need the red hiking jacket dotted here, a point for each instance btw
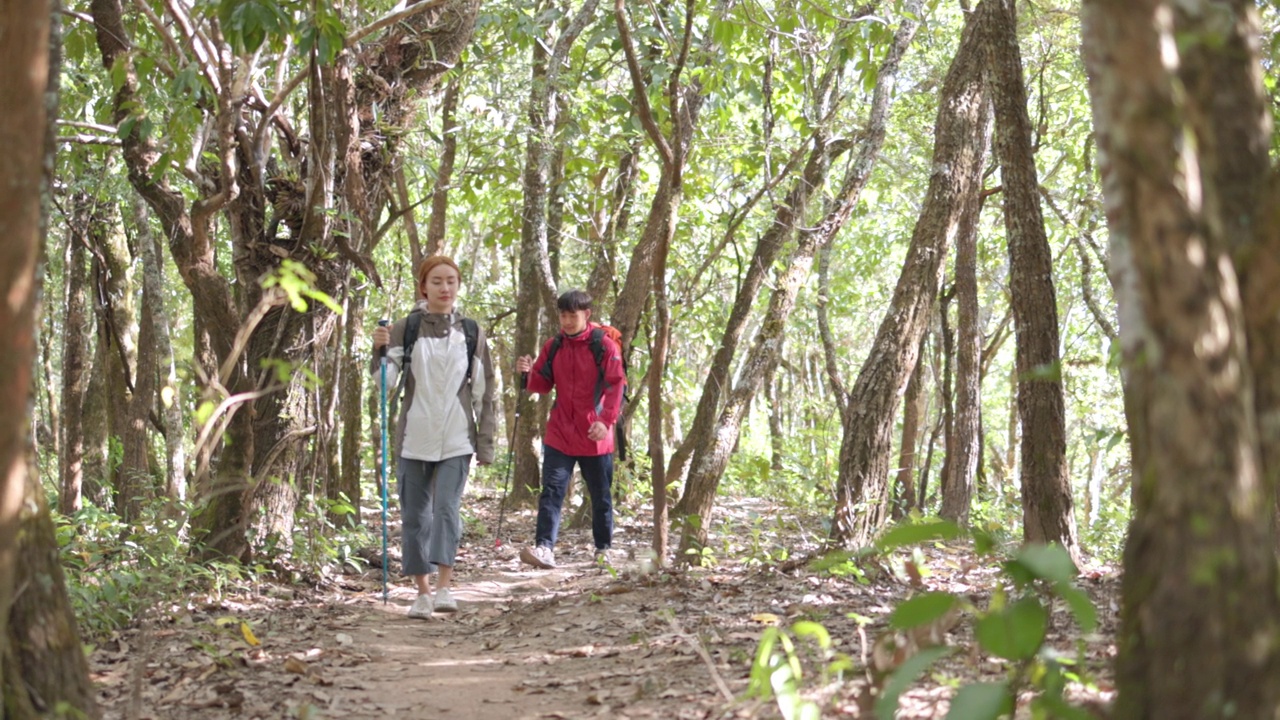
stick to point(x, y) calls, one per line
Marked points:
point(575, 378)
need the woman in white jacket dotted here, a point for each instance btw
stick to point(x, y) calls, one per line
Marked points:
point(446, 418)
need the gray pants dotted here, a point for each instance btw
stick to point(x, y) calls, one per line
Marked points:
point(430, 498)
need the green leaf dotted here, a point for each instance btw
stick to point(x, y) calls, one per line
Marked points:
point(902, 678)
point(981, 701)
point(922, 609)
point(917, 533)
point(1047, 562)
point(808, 628)
point(1081, 606)
point(1016, 632)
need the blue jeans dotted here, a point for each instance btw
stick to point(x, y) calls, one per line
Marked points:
point(557, 471)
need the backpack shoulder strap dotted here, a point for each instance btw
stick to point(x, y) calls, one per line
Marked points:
point(471, 329)
point(411, 325)
point(597, 347)
point(552, 349)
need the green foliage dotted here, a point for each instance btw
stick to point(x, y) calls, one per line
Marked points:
point(247, 24)
point(1013, 627)
point(777, 672)
point(299, 284)
point(116, 571)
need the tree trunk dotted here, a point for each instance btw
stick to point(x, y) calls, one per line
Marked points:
point(175, 486)
point(710, 460)
point(1047, 511)
point(787, 215)
point(611, 222)
point(1200, 573)
point(348, 481)
point(964, 440)
point(43, 640)
point(338, 172)
point(444, 169)
point(111, 386)
point(912, 414)
point(41, 661)
point(75, 355)
point(959, 150)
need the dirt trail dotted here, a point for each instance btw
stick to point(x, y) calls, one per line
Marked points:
point(580, 641)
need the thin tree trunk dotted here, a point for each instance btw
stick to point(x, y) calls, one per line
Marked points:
point(1047, 510)
point(710, 460)
point(959, 150)
point(657, 457)
point(76, 353)
point(348, 481)
point(946, 395)
point(787, 214)
point(175, 486)
point(964, 440)
point(1200, 576)
point(912, 411)
point(610, 223)
point(404, 204)
point(444, 169)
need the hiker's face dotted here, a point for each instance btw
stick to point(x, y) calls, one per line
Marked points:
point(440, 288)
point(573, 322)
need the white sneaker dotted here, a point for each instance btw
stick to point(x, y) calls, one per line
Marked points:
point(444, 601)
point(539, 557)
point(421, 608)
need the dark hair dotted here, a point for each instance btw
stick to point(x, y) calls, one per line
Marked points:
point(573, 301)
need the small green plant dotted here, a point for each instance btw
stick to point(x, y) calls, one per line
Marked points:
point(1013, 627)
point(778, 670)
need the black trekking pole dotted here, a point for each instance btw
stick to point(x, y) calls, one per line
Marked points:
point(511, 457)
point(382, 358)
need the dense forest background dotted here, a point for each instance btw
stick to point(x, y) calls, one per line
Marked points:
point(869, 262)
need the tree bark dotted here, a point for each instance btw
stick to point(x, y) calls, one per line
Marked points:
point(444, 169)
point(75, 355)
point(1200, 573)
point(175, 486)
point(912, 414)
point(43, 640)
point(348, 481)
point(959, 149)
point(1048, 514)
point(41, 660)
point(964, 438)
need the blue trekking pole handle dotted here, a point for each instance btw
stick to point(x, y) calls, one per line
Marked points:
point(382, 359)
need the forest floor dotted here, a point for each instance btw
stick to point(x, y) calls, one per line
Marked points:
point(581, 641)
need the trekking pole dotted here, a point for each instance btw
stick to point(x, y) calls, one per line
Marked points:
point(511, 456)
point(382, 358)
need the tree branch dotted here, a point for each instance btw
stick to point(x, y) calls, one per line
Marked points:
point(637, 85)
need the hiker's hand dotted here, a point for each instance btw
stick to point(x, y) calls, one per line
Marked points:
point(381, 336)
point(483, 463)
point(597, 431)
point(524, 364)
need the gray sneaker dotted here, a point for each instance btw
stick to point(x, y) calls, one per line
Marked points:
point(421, 608)
point(444, 601)
point(539, 557)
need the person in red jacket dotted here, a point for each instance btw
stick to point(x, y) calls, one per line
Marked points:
point(580, 429)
